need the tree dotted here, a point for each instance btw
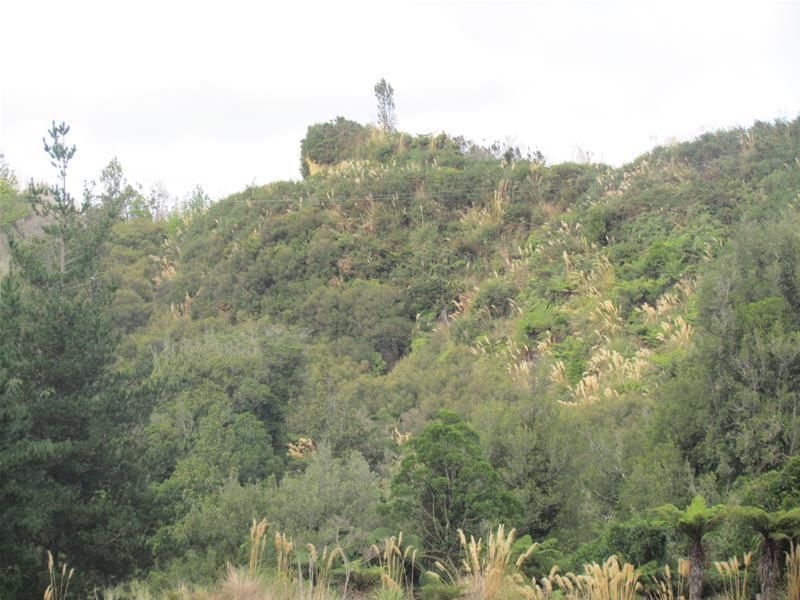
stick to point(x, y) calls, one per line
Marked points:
point(68, 256)
point(745, 399)
point(445, 484)
point(773, 529)
point(373, 314)
point(387, 117)
point(67, 484)
point(334, 501)
point(5, 170)
point(121, 199)
point(223, 444)
point(693, 523)
point(56, 201)
point(12, 207)
point(23, 477)
point(330, 143)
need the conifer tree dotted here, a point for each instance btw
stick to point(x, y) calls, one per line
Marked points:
point(59, 445)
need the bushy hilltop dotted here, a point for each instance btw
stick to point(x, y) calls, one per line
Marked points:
point(591, 342)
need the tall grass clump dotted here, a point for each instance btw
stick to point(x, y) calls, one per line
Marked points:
point(258, 542)
point(59, 581)
point(295, 577)
point(734, 577)
point(296, 581)
point(395, 560)
point(608, 581)
point(284, 548)
point(238, 585)
point(241, 584)
point(665, 590)
point(487, 572)
point(538, 590)
point(793, 572)
point(319, 570)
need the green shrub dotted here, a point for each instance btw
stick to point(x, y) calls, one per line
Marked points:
point(638, 542)
point(537, 319)
point(497, 297)
point(573, 353)
point(439, 590)
point(331, 143)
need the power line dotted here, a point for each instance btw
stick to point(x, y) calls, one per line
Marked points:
point(466, 193)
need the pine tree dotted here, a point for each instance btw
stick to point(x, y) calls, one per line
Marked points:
point(59, 445)
point(23, 479)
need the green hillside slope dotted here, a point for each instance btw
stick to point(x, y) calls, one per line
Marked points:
point(602, 341)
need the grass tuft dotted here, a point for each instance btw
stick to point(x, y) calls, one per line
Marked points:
point(793, 572)
point(396, 560)
point(734, 577)
point(59, 580)
point(257, 544)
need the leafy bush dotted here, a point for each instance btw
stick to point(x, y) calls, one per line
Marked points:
point(496, 297)
point(445, 484)
point(573, 352)
point(539, 318)
point(331, 143)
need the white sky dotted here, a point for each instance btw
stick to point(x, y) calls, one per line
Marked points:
point(220, 93)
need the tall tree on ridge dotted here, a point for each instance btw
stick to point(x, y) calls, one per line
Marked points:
point(387, 115)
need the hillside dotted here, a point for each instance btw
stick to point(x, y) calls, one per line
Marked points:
point(590, 343)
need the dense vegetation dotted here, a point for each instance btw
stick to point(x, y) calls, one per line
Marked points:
point(421, 335)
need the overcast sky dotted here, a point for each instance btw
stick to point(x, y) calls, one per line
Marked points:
point(220, 93)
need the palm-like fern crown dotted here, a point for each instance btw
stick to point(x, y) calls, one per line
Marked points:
point(694, 522)
point(779, 526)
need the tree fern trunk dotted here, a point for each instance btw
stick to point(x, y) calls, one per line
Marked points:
point(697, 559)
point(768, 568)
